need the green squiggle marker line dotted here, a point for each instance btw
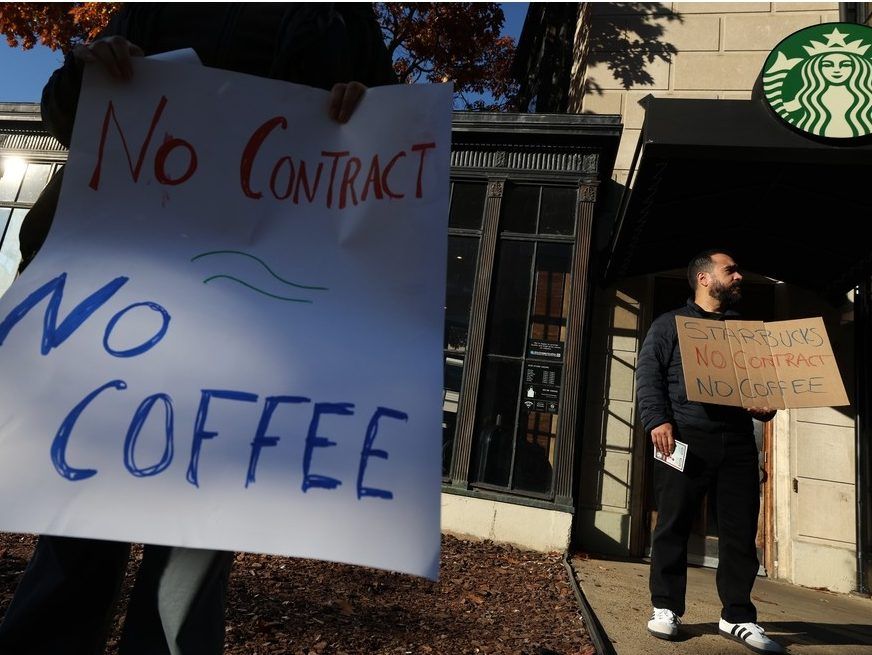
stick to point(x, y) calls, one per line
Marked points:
point(262, 263)
point(246, 284)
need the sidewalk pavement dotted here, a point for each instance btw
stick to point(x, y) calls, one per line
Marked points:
point(806, 621)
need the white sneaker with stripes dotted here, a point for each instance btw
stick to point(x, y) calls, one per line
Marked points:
point(750, 634)
point(663, 624)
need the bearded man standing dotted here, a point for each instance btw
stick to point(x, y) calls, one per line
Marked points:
point(721, 458)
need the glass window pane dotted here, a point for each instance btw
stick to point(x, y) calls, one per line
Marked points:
point(495, 421)
point(534, 455)
point(550, 301)
point(34, 182)
point(519, 208)
point(11, 172)
point(507, 329)
point(450, 404)
point(10, 255)
point(467, 205)
point(4, 218)
point(557, 215)
point(462, 256)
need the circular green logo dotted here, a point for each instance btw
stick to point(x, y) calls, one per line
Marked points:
point(820, 80)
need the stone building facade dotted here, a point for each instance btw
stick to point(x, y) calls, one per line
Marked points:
point(625, 54)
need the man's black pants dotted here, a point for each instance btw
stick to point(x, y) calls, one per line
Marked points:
point(726, 465)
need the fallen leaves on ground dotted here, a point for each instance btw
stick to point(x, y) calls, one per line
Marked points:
point(491, 599)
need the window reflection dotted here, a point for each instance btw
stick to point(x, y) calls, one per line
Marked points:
point(21, 183)
point(507, 324)
point(35, 179)
point(498, 403)
point(12, 171)
point(557, 215)
point(550, 309)
point(462, 254)
point(10, 254)
point(534, 459)
point(460, 283)
point(450, 404)
point(467, 205)
point(519, 209)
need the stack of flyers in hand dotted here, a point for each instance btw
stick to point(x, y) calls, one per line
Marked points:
point(676, 459)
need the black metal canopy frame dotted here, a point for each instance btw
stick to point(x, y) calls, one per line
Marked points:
point(728, 174)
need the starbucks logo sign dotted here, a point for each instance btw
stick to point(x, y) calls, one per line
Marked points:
point(820, 80)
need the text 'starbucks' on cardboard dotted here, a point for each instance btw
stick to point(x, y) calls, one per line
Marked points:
point(780, 365)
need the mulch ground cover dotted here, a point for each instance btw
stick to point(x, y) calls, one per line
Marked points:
point(490, 599)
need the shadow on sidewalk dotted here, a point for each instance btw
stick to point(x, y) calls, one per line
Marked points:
point(830, 634)
point(795, 632)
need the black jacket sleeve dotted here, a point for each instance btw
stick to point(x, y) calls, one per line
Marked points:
point(36, 224)
point(60, 97)
point(652, 390)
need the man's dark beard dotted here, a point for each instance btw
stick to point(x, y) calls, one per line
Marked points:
point(726, 296)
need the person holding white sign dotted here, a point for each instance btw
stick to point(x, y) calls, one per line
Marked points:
point(721, 457)
point(65, 600)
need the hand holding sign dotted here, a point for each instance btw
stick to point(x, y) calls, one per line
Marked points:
point(112, 53)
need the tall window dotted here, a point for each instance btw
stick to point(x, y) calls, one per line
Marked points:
point(21, 182)
point(519, 397)
point(465, 219)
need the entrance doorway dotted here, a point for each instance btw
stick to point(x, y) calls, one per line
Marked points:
point(758, 303)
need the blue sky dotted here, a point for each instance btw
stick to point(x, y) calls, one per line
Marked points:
point(24, 72)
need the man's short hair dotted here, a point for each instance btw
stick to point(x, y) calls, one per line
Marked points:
point(702, 262)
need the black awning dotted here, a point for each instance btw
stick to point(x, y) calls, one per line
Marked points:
point(727, 174)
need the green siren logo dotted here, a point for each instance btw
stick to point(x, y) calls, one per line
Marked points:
point(820, 80)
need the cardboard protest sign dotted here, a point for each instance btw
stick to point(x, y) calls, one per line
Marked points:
point(232, 337)
point(780, 365)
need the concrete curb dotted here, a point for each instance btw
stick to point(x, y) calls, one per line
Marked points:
point(598, 635)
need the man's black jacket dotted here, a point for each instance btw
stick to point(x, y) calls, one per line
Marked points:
point(660, 390)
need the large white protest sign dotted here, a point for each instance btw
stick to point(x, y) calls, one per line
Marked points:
point(232, 337)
